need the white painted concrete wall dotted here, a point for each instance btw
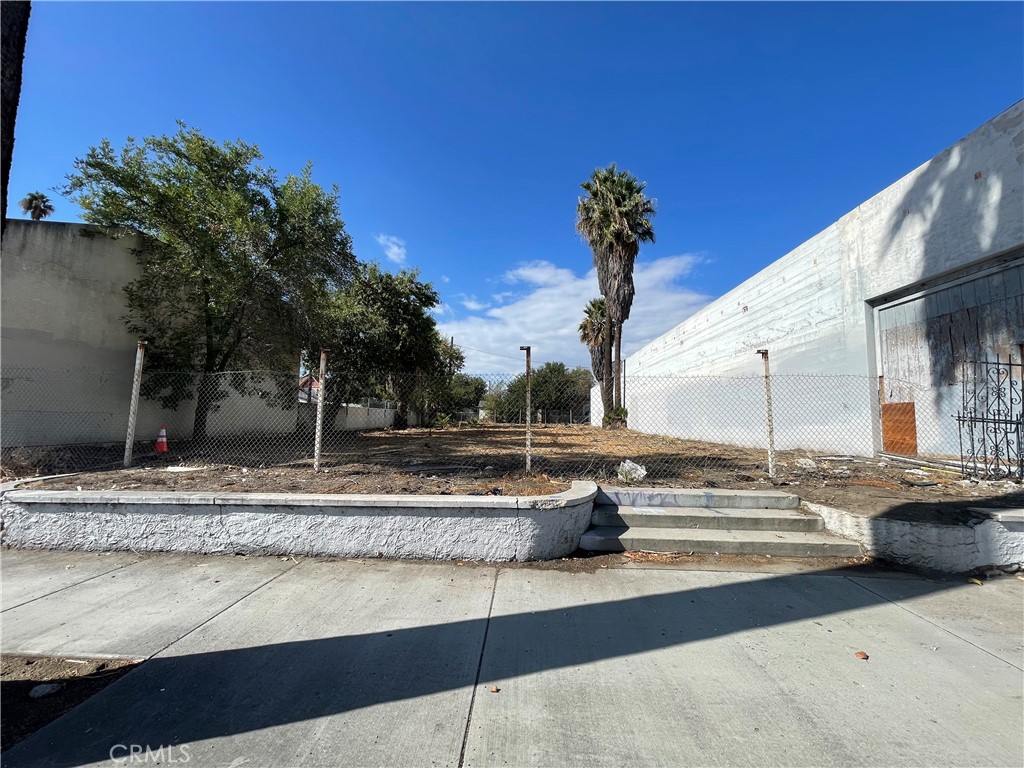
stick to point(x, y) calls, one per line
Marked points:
point(810, 308)
point(947, 548)
point(437, 527)
point(57, 407)
point(357, 417)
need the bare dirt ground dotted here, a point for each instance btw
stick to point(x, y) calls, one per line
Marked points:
point(490, 459)
point(78, 679)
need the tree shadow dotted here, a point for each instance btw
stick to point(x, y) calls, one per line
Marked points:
point(224, 693)
point(963, 210)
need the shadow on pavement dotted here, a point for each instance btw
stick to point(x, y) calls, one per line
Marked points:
point(183, 699)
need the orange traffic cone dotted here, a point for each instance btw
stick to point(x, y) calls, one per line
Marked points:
point(161, 440)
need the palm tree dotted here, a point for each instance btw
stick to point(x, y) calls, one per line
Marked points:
point(614, 218)
point(592, 334)
point(37, 205)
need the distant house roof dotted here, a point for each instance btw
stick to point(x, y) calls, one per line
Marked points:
point(309, 389)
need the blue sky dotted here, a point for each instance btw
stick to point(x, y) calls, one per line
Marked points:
point(459, 133)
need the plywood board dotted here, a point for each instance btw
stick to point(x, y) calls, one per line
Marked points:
point(899, 428)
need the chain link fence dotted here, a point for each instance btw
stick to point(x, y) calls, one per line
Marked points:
point(689, 429)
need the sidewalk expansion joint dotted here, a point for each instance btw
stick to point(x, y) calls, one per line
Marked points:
point(479, 668)
point(69, 586)
point(937, 626)
point(231, 605)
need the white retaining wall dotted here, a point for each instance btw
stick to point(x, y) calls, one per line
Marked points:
point(438, 527)
point(947, 548)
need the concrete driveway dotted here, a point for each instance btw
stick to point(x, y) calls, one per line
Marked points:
point(272, 662)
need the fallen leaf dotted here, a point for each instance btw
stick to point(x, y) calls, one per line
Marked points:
point(495, 689)
point(979, 582)
point(861, 655)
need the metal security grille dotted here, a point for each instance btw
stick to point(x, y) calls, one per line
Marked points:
point(990, 419)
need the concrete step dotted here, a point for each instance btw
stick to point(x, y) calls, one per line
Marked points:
point(707, 498)
point(706, 519)
point(777, 544)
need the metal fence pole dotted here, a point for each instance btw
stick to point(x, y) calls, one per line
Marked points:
point(320, 398)
point(528, 414)
point(768, 412)
point(623, 362)
point(133, 406)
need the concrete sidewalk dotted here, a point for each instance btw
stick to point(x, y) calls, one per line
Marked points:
point(272, 662)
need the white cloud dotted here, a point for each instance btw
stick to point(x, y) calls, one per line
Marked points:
point(471, 303)
point(445, 279)
point(442, 310)
point(394, 248)
point(501, 298)
point(549, 306)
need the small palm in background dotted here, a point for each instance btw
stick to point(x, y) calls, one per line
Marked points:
point(37, 205)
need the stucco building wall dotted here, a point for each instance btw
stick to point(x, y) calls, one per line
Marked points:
point(955, 221)
point(66, 355)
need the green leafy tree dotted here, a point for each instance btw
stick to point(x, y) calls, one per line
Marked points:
point(513, 400)
point(553, 388)
point(36, 205)
point(466, 391)
point(434, 384)
point(238, 268)
point(494, 404)
point(384, 341)
point(558, 388)
point(615, 218)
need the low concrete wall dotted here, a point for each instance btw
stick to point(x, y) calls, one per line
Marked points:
point(437, 527)
point(357, 417)
point(995, 540)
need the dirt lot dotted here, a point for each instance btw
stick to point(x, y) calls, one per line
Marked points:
point(78, 679)
point(490, 458)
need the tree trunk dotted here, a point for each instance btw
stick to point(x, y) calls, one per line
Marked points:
point(606, 384)
point(618, 365)
point(401, 416)
point(204, 401)
point(332, 408)
point(13, 32)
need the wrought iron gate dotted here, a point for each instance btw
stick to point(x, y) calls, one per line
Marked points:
point(990, 419)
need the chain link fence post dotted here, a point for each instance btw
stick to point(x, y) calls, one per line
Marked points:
point(526, 349)
point(133, 406)
point(768, 412)
point(320, 398)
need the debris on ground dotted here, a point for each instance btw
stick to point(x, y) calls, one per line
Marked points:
point(44, 689)
point(631, 472)
point(861, 655)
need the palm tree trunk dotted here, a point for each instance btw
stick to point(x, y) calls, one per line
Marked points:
point(607, 399)
point(14, 32)
point(618, 365)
